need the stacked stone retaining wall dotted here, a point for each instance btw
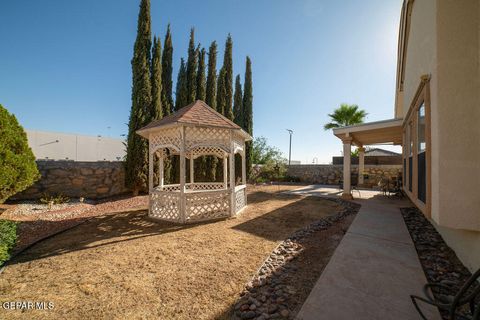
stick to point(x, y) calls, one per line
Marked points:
point(91, 180)
point(332, 174)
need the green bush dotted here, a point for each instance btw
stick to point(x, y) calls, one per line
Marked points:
point(8, 237)
point(18, 169)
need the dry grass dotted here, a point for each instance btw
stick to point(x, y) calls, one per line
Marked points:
point(124, 266)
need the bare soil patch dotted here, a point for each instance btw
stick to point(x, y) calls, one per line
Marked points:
point(125, 266)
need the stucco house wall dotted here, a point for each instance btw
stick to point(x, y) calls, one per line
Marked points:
point(444, 42)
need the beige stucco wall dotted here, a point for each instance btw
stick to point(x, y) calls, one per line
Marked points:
point(457, 115)
point(466, 245)
point(444, 42)
point(421, 59)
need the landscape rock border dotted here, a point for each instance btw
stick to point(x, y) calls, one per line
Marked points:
point(439, 262)
point(266, 295)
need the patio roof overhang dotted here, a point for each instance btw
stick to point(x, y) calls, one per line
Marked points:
point(385, 131)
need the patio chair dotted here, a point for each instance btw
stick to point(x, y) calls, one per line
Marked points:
point(469, 294)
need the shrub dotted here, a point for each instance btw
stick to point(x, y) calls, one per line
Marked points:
point(54, 199)
point(18, 169)
point(8, 237)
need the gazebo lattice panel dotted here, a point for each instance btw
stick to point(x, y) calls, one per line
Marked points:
point(165, 205)
point(207, 205)
point(240, 199)
point(193, 131)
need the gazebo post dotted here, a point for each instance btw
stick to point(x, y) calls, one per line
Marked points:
point(232, 175)
point(161, 173)
point(182, 176)
point(150, 169)
point(191, 168)
point(244, 167)
point(225, 173)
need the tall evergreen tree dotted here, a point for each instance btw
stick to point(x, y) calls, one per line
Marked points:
point(211, 100)
point(238, 119)
point(167, 83)
point(238, 103)
point(201, 81)
point(156, 108)
point(211, 95)
point(248, 111)
point(191, 69)
point(136, 162)
point(221, 92)
point(181, 93)
point(228, 80)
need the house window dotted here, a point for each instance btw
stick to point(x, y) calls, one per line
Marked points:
point(421, 158)
point(410, 155)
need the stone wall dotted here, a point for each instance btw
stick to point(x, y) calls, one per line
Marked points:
point(91, 180)
point(332, 174)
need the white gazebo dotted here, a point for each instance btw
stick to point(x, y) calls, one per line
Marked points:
point(193, 131)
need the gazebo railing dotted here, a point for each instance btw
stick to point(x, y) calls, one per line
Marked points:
point(240, 197)
point(165, 205)
point(207, 205)
point(196, 186)
point(201, 202)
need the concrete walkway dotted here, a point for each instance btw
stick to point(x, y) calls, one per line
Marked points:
point(373, 270)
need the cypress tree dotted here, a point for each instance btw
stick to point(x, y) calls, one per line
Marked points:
point(136, 162)
point(238, 103)
point(156, 110)
point(228, 80)
point(211, 95)
point(201, 165)
point(221, 92)
point(238, 119)
point(191, 69)
point(181, 93)
point(201, 81)
point(248, 112)
point(167, 83)
point(211, 100)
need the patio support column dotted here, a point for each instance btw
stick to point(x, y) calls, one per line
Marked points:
point(225, 173)
point(191, 169)
point(161, 173)
point(361, 164)
point(347, 149)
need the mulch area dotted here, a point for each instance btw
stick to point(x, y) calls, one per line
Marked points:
point(38, 226)
point(439, 261)
point(284, 281)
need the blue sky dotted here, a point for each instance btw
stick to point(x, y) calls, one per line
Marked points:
point(65, 65)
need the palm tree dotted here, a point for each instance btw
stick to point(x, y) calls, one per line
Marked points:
point(346, 115)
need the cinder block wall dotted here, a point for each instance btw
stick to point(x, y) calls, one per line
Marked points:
point(91, 180)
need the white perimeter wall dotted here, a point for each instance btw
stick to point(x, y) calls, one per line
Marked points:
point(65, 146)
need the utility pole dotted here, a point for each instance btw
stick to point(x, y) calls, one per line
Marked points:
point(290, 147)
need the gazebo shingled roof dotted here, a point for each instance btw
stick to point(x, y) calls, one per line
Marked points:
point(196, 113)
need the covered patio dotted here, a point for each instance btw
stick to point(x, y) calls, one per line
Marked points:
point(379, 132)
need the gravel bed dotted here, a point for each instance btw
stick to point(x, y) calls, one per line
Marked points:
point(32, 208)
point(273, 292)
point(439, 261)
point(38, 224)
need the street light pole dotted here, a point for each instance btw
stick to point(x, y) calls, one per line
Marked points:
point(290, 147)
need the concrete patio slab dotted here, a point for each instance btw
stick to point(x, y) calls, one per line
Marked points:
point(374, 269)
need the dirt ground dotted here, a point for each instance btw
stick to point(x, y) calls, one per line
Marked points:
point(125, 266)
